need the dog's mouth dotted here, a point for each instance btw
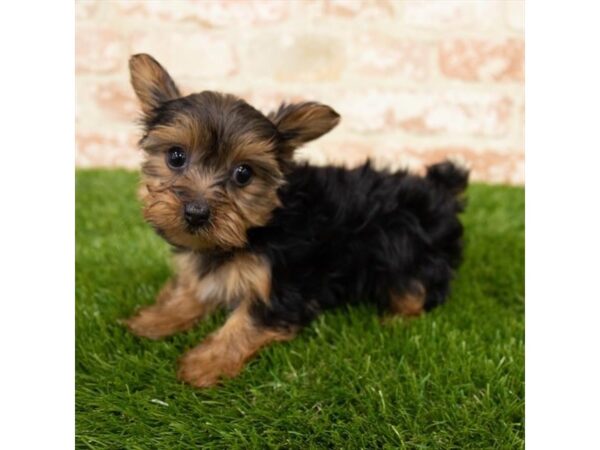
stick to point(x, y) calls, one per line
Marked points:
point(188, 238)
point(200, 232)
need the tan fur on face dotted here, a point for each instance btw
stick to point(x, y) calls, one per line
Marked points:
point(233, 209)
point(163, 210)
point(224, 353)
point(184, 132)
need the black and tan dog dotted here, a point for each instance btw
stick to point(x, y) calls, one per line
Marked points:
point(274, 241)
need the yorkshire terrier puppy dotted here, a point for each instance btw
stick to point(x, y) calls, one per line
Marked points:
point(274, 241)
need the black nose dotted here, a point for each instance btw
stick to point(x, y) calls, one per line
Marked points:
point(196, 213)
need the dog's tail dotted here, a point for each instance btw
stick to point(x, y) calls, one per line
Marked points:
point(448, 176)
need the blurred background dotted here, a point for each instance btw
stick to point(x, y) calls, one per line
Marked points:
point(414, 81)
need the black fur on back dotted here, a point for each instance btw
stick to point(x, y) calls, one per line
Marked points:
point(345, 236)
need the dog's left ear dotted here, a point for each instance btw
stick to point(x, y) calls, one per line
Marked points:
point(299, 123)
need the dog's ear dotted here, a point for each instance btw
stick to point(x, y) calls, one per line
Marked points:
point(299, 123)
point(151, 82)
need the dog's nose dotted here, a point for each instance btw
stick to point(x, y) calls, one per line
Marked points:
point(196, 213)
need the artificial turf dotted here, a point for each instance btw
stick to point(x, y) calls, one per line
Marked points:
point(452, 379)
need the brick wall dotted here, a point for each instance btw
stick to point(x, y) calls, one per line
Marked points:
point(414, 81)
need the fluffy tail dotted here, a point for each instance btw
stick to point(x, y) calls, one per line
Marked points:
point(448, 176)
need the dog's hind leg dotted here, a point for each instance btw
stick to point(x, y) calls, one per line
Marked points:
point(409, 303)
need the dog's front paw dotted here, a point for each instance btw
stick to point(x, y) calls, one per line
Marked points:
point(204, 366)
point(154, 323)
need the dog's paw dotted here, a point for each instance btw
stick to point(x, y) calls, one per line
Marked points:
point(154, 323)
point(204, 366)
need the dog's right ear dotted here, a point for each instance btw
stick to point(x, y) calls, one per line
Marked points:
point(151, 82)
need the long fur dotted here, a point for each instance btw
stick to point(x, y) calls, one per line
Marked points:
point(345, 236)
point(292, 241)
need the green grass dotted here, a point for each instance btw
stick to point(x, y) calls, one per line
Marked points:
point(453, 379)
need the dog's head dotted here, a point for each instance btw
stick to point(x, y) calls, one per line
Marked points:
point(213, 162)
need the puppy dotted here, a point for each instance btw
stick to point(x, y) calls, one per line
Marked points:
point(274, 241)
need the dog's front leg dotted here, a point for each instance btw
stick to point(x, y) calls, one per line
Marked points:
point(177, 308)
point(224, 353)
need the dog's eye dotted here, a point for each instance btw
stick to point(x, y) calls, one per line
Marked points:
point(176, 157)
point(242, 175)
